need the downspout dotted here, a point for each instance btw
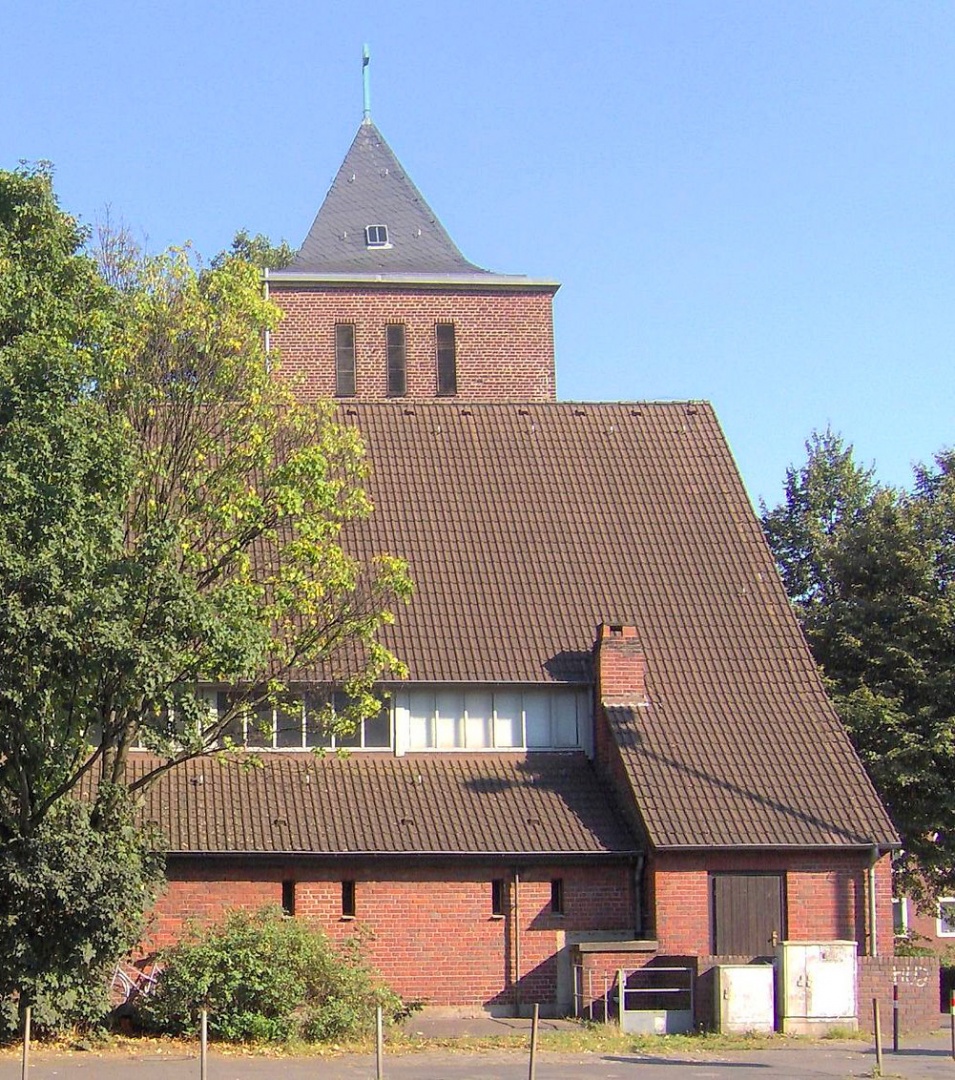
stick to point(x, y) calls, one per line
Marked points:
point(517, 941)
point(268, 333)
point(870, 874)
point(638, 895)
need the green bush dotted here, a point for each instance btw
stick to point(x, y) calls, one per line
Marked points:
point(72, 900)
point(266, 977)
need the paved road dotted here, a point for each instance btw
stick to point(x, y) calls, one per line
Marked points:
point(840, 1061)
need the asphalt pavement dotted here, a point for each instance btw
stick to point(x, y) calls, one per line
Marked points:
point(925, 1056)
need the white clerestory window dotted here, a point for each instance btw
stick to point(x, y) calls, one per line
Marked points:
point(493, 719)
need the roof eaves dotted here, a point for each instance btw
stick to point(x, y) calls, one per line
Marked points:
point(480, 280)
point(430, 853)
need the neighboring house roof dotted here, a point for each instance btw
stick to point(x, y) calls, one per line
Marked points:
point(378, 804)
point(372, 188)
point(527, 525)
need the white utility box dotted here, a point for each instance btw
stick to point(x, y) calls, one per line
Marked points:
point(745, 999)
point(817, 986)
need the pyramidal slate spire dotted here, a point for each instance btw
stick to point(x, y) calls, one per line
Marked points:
point(374, 220)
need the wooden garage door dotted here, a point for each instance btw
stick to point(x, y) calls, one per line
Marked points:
point(747, 914)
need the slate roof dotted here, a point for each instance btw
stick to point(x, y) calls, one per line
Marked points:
point(465, 804)
point(372, 188)
point(527, 525)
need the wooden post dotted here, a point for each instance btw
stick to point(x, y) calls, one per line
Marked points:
point(203, 1043)
point(532, 1070)
point(379, 1044)
point(27, 1027)
point(877, 1024)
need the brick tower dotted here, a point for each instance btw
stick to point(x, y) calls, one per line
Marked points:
point(379, 302)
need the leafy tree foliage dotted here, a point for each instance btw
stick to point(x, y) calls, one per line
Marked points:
point(257, 250)
point(870, 570)
point(169, 515)
point(266, 977)
point(822, 498)
point(72, 897)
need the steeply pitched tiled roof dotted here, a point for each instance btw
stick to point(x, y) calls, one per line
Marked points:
point(527, 525)
point(372, 188)
point(466, 804)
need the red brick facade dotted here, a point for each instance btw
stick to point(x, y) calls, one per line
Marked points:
point(428, 928)
point(825, 896)
point(504, 339)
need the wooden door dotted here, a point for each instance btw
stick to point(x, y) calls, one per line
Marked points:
point(746, 914)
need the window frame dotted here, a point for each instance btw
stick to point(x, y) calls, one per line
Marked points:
point(425, 727)
point(945, 924)
point(396, 352)
point(446, 359)
point(381, 238)
point(900, 926)
point(309, 739)
point(346, 362)
point(557, 897)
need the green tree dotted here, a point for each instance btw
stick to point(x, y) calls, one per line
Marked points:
point(879, 616)
point(257, 250)
point(169, 516)
point(822, 498)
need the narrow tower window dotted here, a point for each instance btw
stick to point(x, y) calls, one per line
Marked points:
point(345, 360)
point(447, 358)
point(376, 236)
point(498, 898)
point(288, 897)
point(348, 899)
point(396, 359)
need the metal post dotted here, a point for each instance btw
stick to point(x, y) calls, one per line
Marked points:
point(878, 1036)
point(532, 1070)
point(27, 1026)
point(203, 1043)
point(951, 1013)
point(379, 1044)
point(895, 1018)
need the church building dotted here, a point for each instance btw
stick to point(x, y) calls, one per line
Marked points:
point(613, 749)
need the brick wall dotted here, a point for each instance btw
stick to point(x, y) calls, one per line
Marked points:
point(504, 340)
point(429, 929)
point(825, 896)
point(917, 980)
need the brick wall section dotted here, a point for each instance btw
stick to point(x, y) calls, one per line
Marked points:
point(504, 340)
point(917, 979)
point(825, 896)
point(429, 929)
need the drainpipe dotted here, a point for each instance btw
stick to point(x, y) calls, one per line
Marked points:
point(638, 895)
point(870, 874)
point(517, 941)
point(268, 333)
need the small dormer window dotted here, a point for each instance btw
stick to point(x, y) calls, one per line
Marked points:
point(376, 236)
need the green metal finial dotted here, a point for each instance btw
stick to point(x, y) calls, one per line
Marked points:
point(366, 85)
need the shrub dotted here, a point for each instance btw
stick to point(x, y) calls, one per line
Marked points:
point(72, 902)
point(266, 977)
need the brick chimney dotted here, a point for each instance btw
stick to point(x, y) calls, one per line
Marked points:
point(620, 665)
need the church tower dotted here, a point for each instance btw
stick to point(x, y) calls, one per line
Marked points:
point(379, 302)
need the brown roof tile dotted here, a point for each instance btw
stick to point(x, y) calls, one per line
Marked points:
point(527, 525)
point(466, 804)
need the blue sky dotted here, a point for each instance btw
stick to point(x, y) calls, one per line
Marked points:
point(746, 201)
